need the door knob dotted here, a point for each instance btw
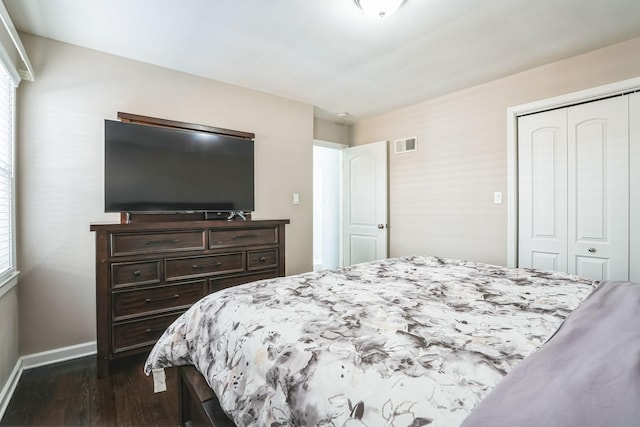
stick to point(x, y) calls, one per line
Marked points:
point(380, 226)
point(592, 250)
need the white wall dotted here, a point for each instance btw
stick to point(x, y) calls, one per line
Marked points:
point(60, 171)
point(325, 130)
point(441, 196)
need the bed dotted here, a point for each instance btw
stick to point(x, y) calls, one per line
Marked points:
point(407, 341)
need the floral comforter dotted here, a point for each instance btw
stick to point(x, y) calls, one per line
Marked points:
point(409, 341)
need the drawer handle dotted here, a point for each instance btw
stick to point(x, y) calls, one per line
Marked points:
point(137, 273)
point(262, 259)
point(153, 330)
point(217, 264)
point(148, 300)
point(159, 242)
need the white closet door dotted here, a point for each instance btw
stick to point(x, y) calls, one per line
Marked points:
point(542, 165)
point(634, 180)
point(598, 186)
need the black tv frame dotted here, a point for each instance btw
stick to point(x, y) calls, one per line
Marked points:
point(161, 216)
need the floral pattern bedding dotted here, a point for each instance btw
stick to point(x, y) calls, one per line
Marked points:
point(409, 341)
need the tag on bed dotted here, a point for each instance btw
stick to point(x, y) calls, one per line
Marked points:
point(159, 380)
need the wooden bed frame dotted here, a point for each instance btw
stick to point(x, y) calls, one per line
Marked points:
point(199, 405)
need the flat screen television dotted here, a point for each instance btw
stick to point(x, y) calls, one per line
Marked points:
point(161, 169)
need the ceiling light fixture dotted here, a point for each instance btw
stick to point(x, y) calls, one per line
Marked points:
point(344, 117)
point(379, 8)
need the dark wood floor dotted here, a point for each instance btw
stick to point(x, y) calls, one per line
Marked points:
point(70, 393)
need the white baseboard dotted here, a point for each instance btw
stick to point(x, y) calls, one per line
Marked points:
point(10, 387)
point(48, 357)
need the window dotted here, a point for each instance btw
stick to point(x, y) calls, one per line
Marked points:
point(7, 95)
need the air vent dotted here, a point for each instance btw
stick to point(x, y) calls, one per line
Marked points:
point(406, 144)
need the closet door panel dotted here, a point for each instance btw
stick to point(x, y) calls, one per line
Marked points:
point(634, 182)
point(542, 159)
point(598, 188)
point(590, 156)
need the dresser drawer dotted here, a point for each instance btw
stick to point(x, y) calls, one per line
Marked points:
point(227, 282)
point(135, 273)
point(183, 268)
point(246, 237)
point(144, 302)
point(141, 333)
point(146, 243)
point(257, 260)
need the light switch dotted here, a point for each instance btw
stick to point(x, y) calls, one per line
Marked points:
point(497, 197)
point(296, 198)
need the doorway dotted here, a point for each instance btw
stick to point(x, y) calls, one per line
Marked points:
point(327, 196)
point(350, 204)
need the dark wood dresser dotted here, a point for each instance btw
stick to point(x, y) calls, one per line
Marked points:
point(148, 273)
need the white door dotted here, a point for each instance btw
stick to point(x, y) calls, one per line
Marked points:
point(542, 165)
point(598, 182)
point(574, 190)
point(365, 203)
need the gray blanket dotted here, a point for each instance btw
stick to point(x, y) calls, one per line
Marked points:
point(586, 375)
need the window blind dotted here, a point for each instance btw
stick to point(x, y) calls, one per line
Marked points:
point(7, 93)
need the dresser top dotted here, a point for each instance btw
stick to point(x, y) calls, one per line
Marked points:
point(187, 225)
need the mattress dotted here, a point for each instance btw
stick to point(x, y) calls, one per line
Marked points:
point(407, 341)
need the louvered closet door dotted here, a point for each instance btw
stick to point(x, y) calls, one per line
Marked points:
point(542, 165)
point(598, 186)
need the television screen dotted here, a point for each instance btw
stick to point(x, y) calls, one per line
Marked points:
point(160, 169)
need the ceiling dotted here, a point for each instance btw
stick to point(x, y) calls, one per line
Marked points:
point(327, 52)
